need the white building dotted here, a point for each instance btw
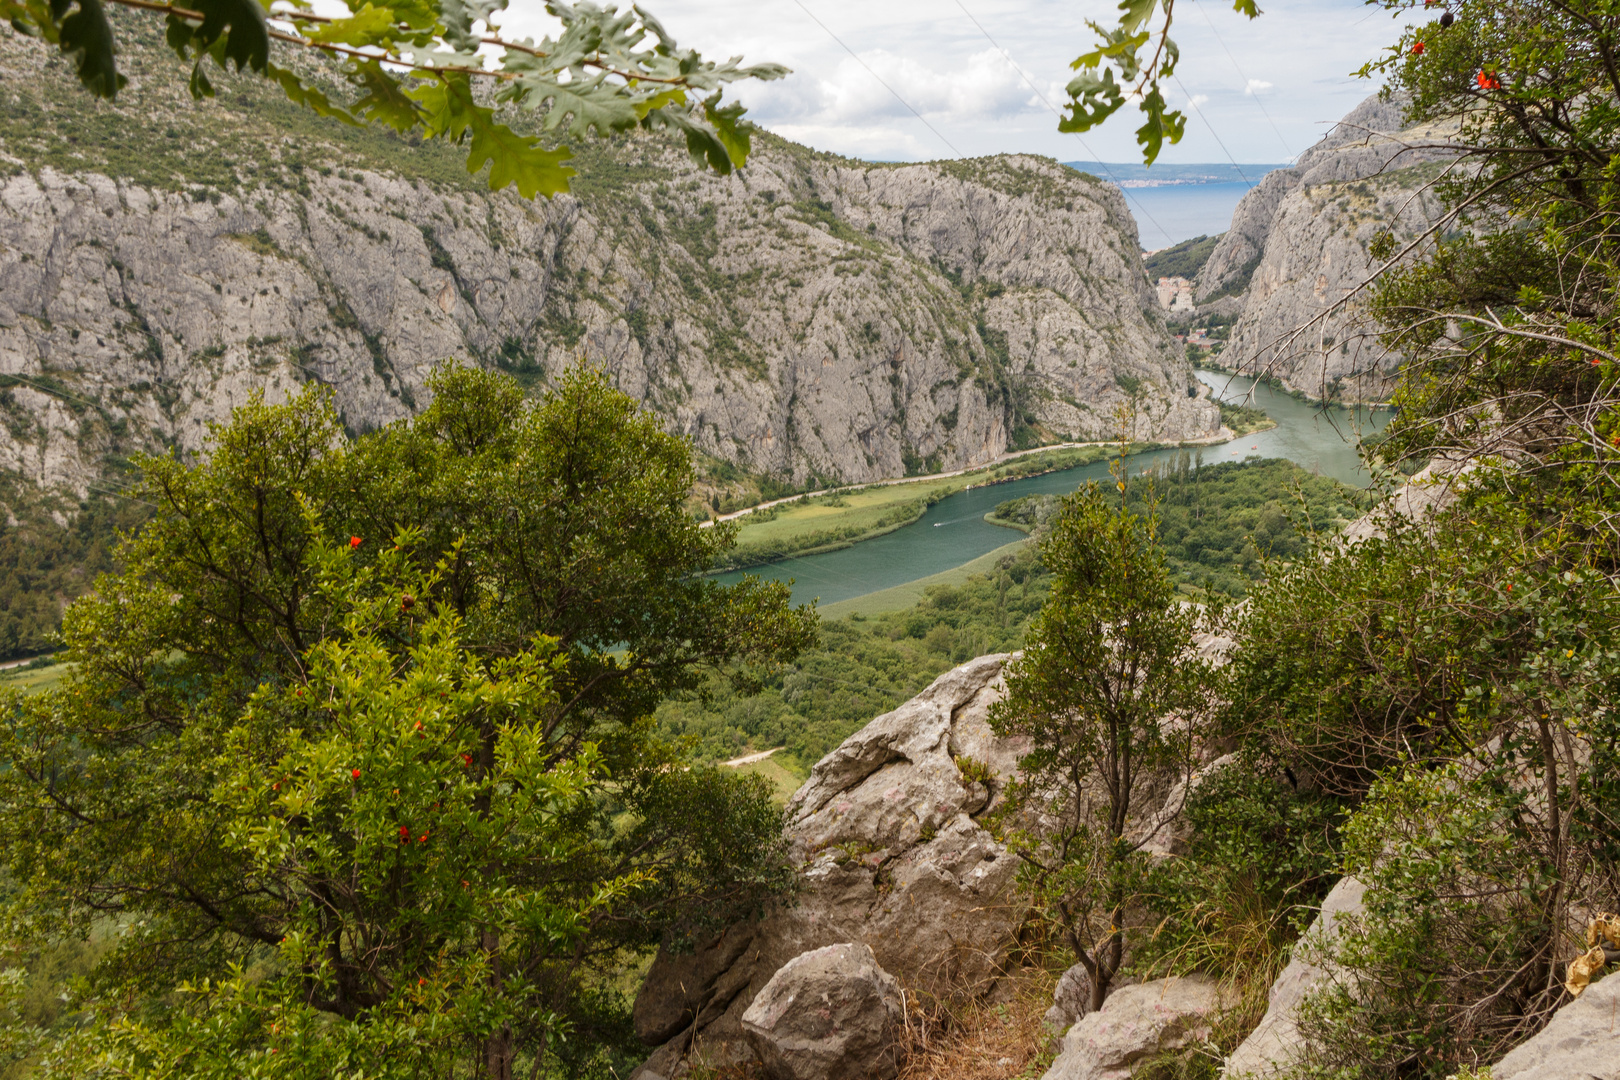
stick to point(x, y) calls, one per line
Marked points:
point(1176, 294)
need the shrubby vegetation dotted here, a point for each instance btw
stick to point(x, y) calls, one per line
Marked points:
point(1181, 260)
point(353, 770)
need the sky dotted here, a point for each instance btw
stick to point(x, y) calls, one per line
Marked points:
point(1265, 89)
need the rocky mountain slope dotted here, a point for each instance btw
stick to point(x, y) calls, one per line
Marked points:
point(1298, 248)
point(814, 318)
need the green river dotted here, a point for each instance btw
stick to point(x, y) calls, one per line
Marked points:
point(954, 531)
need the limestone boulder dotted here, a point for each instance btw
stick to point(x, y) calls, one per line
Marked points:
point(1275, 1043)
point(1135, 1023)
point(892, 857)
point(1070, 1002)
point(1582, 1041)
point(829, 1014)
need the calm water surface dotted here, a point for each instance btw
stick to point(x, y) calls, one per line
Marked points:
point(1323, 441)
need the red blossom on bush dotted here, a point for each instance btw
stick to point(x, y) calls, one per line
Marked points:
point(354, 541)
point(1417, 48)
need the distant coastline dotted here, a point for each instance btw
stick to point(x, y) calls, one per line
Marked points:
point(1161, 174)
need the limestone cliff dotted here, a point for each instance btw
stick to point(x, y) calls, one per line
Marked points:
point(1298, 246)
point(813, 317)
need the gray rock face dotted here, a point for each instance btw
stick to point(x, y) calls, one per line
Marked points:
point(1581, 1043)
point(1137, 1022)
point(1238, 252)
point(1299, 240)
point(1275, 1043)
point(811, 316)
point(828, 1014)
point(892, 857)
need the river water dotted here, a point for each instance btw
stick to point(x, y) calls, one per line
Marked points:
point(954, 531)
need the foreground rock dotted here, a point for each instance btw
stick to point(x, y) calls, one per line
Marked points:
point(1135, 1023)
point(893, 858)
point(1582, 1041)
point(1275, 1043)
point(830, 1014)
point(1070, 1001)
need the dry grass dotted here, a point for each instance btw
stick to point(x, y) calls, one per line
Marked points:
point(997, 1038)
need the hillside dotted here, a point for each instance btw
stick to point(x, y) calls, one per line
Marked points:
point(1296, 254)
point(814, 319)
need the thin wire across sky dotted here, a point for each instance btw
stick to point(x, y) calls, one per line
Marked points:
point(1091, 155)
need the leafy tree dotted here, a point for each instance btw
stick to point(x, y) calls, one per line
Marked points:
point(1108, 692)
point(1095, 97)
point(1508, 317)
point(442, 68)
point(354, 749)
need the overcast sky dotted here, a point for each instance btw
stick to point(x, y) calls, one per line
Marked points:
point(1267, 87)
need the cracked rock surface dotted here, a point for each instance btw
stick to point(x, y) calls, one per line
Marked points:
point(892, 858)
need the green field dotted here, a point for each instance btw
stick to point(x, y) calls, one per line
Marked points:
point(838, 519)
point(31, 680)
point(783, 778)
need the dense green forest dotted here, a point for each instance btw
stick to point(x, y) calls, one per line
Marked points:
point(1220, 523)
point(1181, 260)
point(45, 565)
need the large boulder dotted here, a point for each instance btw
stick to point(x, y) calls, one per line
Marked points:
point(830, 1014)
point(892, 856)
point(1070, 1001)
point(1275, 1043)
point(1583, 1041)
point(1137, 1022)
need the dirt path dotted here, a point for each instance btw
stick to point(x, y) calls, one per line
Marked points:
point(749, 759)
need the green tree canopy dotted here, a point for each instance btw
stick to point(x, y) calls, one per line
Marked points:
point(1108, 669)
point(357, 748)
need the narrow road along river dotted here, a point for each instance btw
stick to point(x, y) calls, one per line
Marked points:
point(954, 531)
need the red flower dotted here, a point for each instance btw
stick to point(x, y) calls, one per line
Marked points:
point(422, 839)
point(1417, 48)
point(355, 773)
point(354, 541)
point(466, 760)
point(404, 834)
point(1488, 81)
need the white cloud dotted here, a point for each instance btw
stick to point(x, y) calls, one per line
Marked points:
point(1198, 101)
point(881, 84)
point(935, 57)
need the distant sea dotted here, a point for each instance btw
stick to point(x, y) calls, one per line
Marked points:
point(1172, 203)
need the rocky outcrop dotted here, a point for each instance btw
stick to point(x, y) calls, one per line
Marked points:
point(1137, 1022)
point(830, 1014)
point(892, 857)
point(1239, 249)
point(1428, 492)
point(1299, 243)
point(1275, 1043)
point(810, 316)
point(1582, 1041)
